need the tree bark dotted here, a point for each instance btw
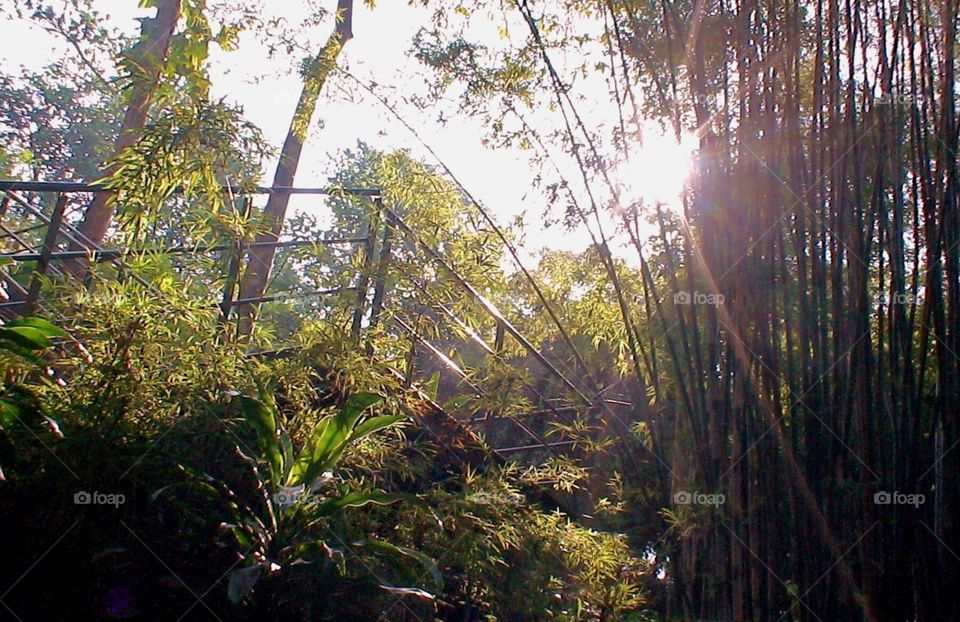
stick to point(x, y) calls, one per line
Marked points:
point(148, 57)
point(261, 257)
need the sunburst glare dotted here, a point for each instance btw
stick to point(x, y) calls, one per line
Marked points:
point(657, 168)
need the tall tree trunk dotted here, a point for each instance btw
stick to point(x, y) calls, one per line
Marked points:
point(147, 58)
point(261, 257)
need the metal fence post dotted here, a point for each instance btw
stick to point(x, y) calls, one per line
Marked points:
point(49, 244)
point(363, 284)
point(233, 270)
point(386, 255)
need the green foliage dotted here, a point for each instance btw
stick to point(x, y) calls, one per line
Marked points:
point(192, 150)
point(21, 373)
point(183, 71)
point(503, 559)
point(25, 335)
point(427, 202)
point(485, 72)
point(189, 48)
point(284, 484)
point(286, 527)
point(152, 406)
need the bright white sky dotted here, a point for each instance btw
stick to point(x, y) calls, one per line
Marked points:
point(268, 91)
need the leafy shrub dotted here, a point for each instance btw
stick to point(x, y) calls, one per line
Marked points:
point(185, 447)
point(21, 341)
point(503, 558)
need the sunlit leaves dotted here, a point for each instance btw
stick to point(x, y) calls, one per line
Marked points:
point(30, 333)
point(331, 436)
point(522, 561)
point(191, 151)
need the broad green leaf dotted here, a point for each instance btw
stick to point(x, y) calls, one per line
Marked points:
point(261, 418)
point(329, 436)
point(357, 403)
point(303, 466)
point(329, 439)
point(47, 328)
point(373, 424)
point(27, 336)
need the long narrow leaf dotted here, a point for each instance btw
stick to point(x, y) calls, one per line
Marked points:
point(357, 403)
point(360, 499)
point(263, 421)
point(329, 439)
point(302, 470)
point(44, 326)
point(373, 424)
point(26, 336)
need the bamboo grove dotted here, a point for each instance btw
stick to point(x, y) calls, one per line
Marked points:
point(824, 213)
point(812, 379)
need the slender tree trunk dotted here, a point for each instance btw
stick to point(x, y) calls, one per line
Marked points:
point(261, 257)
point(147, 58)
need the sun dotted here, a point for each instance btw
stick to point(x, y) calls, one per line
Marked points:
point(655, 173)
point(656, 169)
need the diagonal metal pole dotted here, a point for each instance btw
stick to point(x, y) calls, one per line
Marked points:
point(490, 309)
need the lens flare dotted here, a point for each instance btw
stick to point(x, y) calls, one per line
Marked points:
point(657, 169)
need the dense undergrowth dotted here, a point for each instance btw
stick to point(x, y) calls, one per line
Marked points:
point(163, 474)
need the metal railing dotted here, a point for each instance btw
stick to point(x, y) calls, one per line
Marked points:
point(24, 300)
